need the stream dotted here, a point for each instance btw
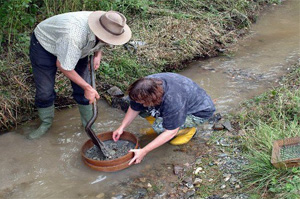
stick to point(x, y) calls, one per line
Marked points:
point(51, 167)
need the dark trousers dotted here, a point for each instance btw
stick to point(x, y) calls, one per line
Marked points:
point(44, 71)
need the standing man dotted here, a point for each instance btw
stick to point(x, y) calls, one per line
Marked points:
point(172, 103)
point(64, 41)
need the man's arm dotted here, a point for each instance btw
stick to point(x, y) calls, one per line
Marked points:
point(89, 92)
point(158, 141)
point(129, 117)
point(97, 59)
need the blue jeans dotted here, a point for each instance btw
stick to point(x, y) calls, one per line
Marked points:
point(44, 70)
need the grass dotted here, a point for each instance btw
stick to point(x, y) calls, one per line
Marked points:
point(172, 32)
point(266, 118)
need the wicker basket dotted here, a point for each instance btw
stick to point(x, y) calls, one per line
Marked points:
point(280, 162)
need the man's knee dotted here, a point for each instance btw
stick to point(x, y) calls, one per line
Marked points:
point(43, 100)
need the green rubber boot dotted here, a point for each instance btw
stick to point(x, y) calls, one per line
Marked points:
point(46, 115)
point(86, 113)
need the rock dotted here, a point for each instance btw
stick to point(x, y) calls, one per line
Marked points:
point(196, 172)
point(222, 155)
point(198, 181)
point(100, 195)
point(115, 92)
point(228, 126)
point(237, 186)
point(223, 186)
point(142, 179)
point(120, 103)
point(226, 177)
point(141, 193)
point(215, 118)
point(189, 194)
point(120, 196)
point(188, 180)
point(218, 127)
point(177, 170)
point(189, 185)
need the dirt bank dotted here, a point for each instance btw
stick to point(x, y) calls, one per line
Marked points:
point(166, 35)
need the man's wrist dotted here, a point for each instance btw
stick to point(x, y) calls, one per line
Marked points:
point(145, 150)
point(87, 87)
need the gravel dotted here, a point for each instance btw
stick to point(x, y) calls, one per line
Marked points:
point(120, 147)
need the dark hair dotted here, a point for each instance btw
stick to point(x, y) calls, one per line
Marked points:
point(148, 90)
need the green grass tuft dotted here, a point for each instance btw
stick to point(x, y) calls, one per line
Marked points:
point(269, 117)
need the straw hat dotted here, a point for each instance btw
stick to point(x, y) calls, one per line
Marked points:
point(110, 27)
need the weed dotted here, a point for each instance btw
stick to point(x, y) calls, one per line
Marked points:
point(269, 117)
point(171, 32)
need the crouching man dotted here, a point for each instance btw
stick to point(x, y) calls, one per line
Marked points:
point(172, 103)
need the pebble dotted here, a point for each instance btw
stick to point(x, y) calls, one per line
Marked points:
point(196, 172)
point(198, 181)
point(100, 195)
point(218, 127)
point(177, 170)
point(117, 197)
point(226, 177)
point(237, 186)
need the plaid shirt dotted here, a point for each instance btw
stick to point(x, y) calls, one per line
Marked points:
point(68, 37)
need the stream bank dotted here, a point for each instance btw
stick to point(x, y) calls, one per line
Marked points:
point(168, 34)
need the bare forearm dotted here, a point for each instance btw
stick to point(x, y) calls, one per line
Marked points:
point(160, 140)
point(129, 117)
point(98, 53)
point(74, 77)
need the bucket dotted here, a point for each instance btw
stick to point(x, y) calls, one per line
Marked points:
point(109, 165)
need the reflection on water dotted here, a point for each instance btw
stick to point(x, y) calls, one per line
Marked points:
point(51, 167)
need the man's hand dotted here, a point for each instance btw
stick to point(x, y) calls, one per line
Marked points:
point(91, 94)
point(139, 155)
point(117, 133)
point(164, 137)
point(97, 59)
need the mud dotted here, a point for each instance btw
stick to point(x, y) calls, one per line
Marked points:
point(120, 148)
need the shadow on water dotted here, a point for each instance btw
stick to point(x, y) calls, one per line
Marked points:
point(51, 167)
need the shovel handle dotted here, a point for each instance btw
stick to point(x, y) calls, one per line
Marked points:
point(88, 128)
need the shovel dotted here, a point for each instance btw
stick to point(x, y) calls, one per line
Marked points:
point(105, 151)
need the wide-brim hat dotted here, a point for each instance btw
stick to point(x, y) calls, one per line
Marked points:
point(110, 27)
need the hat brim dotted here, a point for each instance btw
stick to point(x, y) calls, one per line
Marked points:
point(104, 35)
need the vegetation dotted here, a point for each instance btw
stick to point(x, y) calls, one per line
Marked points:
point(167, 33)
point(266, 118)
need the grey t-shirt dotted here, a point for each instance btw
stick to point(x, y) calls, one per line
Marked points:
point(181, 97)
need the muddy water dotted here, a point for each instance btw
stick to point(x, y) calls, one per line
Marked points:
point(51, 167)
point(258, 60)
